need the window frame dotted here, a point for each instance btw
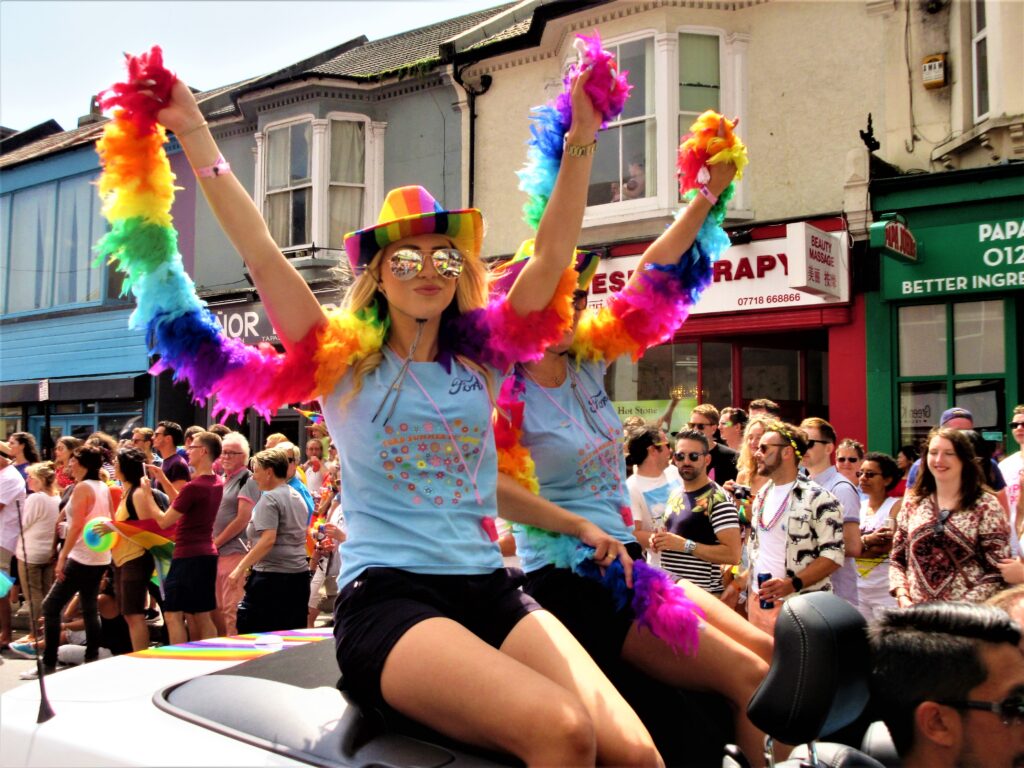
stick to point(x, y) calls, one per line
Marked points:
point(732, 98)
point(320, 173)
point(978, 37)
point(369, 162)
point(951, 378)
point(104, 270)
point(264, 171)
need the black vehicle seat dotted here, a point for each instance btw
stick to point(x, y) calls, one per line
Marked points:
point(818, 679)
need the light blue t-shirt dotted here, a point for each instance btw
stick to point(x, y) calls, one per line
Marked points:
point(419, 493)
point(580, 463)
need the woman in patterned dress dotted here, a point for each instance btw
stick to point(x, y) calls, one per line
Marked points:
point(951, 532)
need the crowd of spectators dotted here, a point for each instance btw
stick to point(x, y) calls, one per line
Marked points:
point(254, 539)
point(747, 507)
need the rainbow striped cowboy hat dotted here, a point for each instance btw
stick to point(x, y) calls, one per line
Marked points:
point(411, 211)
point(504, 275)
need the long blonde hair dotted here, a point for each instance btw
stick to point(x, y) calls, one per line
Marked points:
point(470, 294)
point(747, 467)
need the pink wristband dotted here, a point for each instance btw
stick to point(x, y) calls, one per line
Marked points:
point(219, 168)
point(708, 194)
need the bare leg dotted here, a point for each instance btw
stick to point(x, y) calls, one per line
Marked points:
point(201, 626)
point(312, 617)
point(139, 631)
point(175, 621)
point(721, 665)
point(217, 615)
point(442, 675)
point(718, 614)
point(542, 643)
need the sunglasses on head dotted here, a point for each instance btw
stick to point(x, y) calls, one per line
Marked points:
point(1010, 709)
point(406, 263)
point(693, 456)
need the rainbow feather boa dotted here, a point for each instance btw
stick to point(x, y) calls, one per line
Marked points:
point(608, 90)
point(649, 310)
point(658, 604)
point(137, 188)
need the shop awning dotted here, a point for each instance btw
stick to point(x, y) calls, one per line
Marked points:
point(134, 385)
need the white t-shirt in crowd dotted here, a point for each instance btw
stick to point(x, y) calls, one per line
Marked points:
point(771, 553)
point(12, 491)
point(39, 522)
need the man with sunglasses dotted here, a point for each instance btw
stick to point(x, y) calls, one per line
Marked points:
point(821, 443)
point(948, 680)
point(702, 527)
point(240, 494)
point(796, 536)
point(704, 419)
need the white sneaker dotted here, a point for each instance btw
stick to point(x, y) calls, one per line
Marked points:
point(33, 673)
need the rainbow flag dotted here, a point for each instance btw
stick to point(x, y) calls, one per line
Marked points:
point(158, 542)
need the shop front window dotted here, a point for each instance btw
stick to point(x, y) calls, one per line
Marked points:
point(791, 371)
point(935, 374)
point(10, 420)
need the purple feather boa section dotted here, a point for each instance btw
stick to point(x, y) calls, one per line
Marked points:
point(659, 604)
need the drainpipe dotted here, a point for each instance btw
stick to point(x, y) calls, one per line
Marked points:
point(471, 94)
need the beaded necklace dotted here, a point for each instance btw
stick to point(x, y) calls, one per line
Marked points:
point(778, 513)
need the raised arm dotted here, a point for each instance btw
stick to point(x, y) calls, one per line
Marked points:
point(562, 220)
point(290, 303)
point(677, 239)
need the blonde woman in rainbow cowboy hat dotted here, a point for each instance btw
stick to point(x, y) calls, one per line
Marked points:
point(427, 622)
point(563, 440)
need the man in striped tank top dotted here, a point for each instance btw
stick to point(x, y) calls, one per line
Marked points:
point(701, 529)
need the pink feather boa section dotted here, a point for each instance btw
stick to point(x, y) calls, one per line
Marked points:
point(662, 607)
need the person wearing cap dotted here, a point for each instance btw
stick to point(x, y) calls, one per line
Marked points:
point(12, 497)
point(572, 432)
point(427, 621)
point(961, 418)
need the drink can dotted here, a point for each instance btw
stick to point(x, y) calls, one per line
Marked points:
point(766, 605)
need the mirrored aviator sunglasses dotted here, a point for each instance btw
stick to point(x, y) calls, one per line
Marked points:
point(406, 263)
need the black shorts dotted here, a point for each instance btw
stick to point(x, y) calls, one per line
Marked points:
point(131, 584)
point(374, 611)
point(191, 585)
point(274, 601)
point(586, 608)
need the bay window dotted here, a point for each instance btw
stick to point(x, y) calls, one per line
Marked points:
point(319, 178)
point(979, 60)
point(676, 76)
point(628, 146)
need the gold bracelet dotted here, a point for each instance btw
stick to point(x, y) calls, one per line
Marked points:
point(581, 150)
point(193, 129)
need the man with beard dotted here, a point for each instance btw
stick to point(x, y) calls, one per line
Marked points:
point(796, 528)
point(948, 680)
point(702, 527)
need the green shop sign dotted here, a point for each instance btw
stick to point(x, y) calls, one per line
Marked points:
point(956, 258)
